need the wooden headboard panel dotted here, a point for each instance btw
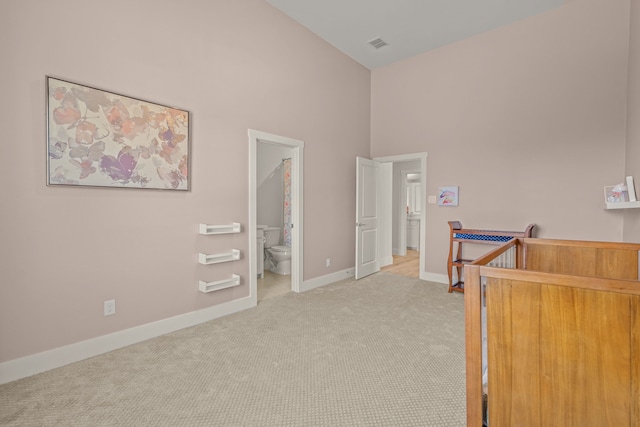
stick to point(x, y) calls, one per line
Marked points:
point(580, 258)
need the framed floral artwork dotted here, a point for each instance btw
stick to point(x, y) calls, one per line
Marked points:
point(448, 196)
point(102, 139)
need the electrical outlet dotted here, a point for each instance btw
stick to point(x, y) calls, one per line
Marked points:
point(110, 307)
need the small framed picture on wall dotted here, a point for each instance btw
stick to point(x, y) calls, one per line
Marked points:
point(448, 196)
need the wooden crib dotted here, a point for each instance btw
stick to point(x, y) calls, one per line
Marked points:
point(558, 322)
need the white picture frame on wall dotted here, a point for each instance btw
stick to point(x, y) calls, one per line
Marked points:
point(448, 196)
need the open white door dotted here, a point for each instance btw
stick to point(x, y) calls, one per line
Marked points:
point(366, 218)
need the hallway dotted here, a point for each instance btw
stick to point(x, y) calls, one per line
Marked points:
point(408, 265)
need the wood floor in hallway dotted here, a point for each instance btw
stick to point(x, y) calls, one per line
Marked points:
point(408, 265)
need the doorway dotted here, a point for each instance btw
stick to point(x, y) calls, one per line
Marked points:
point(405, 229)
point(406, 220)
point(282, 152)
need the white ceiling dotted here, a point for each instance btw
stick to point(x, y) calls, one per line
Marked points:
point(409, 27)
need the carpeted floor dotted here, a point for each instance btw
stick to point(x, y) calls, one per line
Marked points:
point(386, 350)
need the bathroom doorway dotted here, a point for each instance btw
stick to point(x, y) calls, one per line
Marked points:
point(275, 212)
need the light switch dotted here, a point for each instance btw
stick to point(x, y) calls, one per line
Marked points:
point(432, 200)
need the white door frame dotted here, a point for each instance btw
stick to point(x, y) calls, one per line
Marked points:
point(297, 155)
point(402, 229)
point(423, 199)
point(385, 213)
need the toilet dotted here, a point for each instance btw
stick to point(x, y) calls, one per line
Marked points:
point(278, 257)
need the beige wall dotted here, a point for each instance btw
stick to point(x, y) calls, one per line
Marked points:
point(541, 102)
point(632, 216)
point(529, 120)
point(234, 65)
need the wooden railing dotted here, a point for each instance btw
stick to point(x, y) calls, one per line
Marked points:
point(504, 256)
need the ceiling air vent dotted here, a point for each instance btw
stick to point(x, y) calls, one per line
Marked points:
point(377, 43)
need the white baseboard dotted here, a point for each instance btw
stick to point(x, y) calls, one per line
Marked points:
point(386, 261)
point(40, 362)
point(349, 272)
point(61, 356)
point(317, 282)
point(435, 277)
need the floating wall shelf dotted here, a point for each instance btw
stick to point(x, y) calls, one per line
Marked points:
point(220, 229)
point(623, 205)
point(207, 259)
point(220, 284)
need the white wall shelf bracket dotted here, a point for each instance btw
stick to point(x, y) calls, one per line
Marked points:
point(220, 229)
point(207, 259)
point(220, 284)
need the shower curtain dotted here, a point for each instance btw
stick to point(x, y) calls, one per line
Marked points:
point(286, 229)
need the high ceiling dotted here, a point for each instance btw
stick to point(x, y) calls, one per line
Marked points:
point(409, 27)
